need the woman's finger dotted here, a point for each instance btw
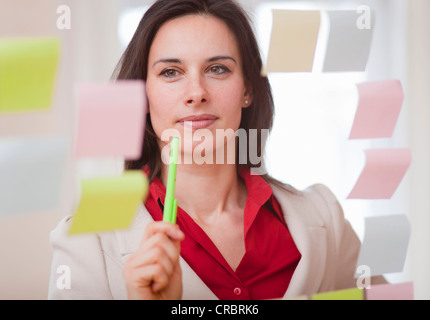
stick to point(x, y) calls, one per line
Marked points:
point(154, 248)
point(149, 277)
point(170, 229)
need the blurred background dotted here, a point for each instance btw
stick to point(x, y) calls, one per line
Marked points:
point(309, 143)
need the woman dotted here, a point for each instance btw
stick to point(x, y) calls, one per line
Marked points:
point(239, 235)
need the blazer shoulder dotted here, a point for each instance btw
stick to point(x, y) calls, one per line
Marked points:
point(326, 203)
point(315, 206)
point(60, 238)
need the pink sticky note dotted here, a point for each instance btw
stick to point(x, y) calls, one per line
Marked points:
point(111, 119)
point(382, 174)
point(378, 109)
point(390, 291)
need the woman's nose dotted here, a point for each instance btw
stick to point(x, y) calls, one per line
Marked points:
point(196, 92)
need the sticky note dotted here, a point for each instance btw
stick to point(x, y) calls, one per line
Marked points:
point(111, 119)
point(345, 294)
point(109, 203)
point(385, 244)
point(382, 174)
point(293, 41)
point(378, 109)
point(390, 291)
point(30, 123)
point(349, 41)
point(28, 68)
point(301, 297)
point(32, 173)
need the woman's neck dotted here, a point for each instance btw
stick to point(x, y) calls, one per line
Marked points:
point(207, 191)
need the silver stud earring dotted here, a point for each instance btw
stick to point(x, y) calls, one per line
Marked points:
point(246, 102)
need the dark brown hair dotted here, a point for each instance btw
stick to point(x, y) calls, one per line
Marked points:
point(133, 65)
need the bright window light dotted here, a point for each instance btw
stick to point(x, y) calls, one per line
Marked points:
point(128, 22)
point(314, 113)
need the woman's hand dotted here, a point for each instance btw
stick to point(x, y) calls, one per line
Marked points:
point(153, 271)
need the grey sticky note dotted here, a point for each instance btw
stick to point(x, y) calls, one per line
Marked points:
point(349, 41)
point(385, 244)
point(32, 171)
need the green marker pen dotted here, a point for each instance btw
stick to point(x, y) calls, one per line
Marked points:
point(174, 211)
point(169, 213)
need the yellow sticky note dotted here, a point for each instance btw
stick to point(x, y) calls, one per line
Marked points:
point(293, 41)
point(109, 203)
point(346, 294)
point(28, 68)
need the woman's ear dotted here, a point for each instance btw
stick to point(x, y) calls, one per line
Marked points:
point(247, 96)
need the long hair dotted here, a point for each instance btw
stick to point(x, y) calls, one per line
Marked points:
point(133, 65)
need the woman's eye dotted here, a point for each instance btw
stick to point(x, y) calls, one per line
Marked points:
point(219, 69)
point(169, 73)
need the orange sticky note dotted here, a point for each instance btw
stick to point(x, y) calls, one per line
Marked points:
point(111, 119)
point(382, 174)
point(293, 41)
point(378, 109)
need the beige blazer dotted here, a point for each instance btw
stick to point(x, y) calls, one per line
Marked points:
point(329, 247)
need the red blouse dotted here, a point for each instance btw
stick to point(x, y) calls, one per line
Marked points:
point(271, 256)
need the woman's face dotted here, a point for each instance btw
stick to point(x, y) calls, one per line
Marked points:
point(195, 78)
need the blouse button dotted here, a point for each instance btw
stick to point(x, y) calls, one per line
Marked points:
point(237, 291)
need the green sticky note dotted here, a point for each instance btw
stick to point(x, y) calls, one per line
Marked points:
point(346, 294)
point(28, 68)
point(109, 203)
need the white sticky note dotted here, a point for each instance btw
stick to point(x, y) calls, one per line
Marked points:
point(385, 244)
point(349, 41)
point(32, 172)
point(293, 41)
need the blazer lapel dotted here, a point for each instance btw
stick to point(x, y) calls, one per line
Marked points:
point(310, 239)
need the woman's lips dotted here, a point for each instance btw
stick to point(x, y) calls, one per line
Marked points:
point(198, 121)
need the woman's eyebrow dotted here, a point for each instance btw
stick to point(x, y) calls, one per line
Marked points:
point(217, 58)
point(179, 61)
point(168, 60)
